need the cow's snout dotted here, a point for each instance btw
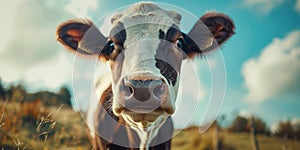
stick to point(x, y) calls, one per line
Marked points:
point(143, 90)
point(144, 95)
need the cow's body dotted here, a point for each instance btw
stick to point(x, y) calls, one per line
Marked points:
point(144, 50)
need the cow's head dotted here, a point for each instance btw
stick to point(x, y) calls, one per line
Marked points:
point(145, 50)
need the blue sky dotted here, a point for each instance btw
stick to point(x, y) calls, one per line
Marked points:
point(262, 59)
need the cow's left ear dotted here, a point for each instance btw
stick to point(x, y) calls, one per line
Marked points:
point(209, 32)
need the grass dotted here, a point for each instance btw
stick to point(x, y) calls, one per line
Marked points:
point(242, 141)
point(31, 125)
point(192, 139)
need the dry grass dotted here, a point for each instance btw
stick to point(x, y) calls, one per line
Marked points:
point(191, 139)
point(34, 126)
point(30, 125)
point(242, 141)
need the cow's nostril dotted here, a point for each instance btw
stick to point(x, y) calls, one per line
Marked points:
point(159, 91)
point(128, 90)
point(131, 91)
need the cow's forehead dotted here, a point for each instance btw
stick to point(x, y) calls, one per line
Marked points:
point(146, 27)
point(145, 20)
point(143, 10)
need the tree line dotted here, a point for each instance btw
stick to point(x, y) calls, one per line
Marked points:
point(18, 93)
point(285, 129)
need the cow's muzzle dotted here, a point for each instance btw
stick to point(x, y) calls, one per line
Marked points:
point(143, 90)
point(144, 95)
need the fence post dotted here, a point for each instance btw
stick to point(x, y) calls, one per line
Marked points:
point(216, 136)
point(253, 134)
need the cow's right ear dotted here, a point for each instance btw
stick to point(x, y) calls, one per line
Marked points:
point(81, 36)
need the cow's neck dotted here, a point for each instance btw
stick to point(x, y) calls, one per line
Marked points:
point(146, 135)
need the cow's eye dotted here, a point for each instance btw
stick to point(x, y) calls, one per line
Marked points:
point(179, 43)
point(111, 46)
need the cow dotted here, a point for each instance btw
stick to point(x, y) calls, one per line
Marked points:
point(145, 50)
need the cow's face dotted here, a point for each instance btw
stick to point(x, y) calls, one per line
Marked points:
point(145, 50)
point(145, 62)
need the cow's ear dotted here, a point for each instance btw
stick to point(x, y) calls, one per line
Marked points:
point(209, 32)
point(81, 36)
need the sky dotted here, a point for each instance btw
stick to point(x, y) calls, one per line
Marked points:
point(262, 59)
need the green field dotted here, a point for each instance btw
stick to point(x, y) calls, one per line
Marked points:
point(33, 126)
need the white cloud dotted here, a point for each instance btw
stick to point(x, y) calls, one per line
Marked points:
point(276, 71)
point(245, 113)
point(80, 8)
point(29, 51)
point(51, 73)
point(8, 9)
point(297, 6)
point(264, 6)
